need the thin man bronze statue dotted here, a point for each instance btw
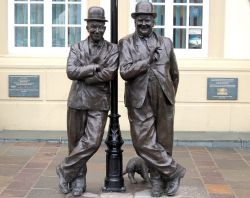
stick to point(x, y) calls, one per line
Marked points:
point(149, 67)
point(92, 64)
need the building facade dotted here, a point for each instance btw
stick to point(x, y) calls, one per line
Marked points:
point(211, 40)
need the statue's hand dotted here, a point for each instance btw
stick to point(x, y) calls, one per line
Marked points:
point(97, 68)
point(155, 55)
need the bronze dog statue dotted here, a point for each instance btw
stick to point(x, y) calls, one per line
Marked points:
point(137, 165)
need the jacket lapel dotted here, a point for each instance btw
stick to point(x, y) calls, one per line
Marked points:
point(84, 54)
point(103, 53)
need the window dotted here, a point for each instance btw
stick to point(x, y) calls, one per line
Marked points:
point(159, 7)
point(45, 25)
point(63, 24)
point(29, 23)
point(185, 22)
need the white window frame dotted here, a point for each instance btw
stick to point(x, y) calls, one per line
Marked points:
point(182, 53)
point(47, 50)
point(106, 6)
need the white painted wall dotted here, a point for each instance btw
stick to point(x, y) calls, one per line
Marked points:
point(237, 29)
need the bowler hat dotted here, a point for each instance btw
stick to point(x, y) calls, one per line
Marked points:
point(144, 8)
point(96, 14)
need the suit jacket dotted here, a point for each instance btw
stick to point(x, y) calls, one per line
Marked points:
point(134, 68)
point(90, 89)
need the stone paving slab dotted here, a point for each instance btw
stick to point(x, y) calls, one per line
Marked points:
point(27, 170)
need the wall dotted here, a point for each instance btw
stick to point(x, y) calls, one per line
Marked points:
point(216, 28)
point(193, 111)
point(48, 111)
point(4, 27)
point(237, 27)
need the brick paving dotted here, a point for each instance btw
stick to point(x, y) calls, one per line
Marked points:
point(27, 169)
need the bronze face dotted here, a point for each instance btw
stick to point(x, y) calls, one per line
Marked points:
point(144, 24)
point(96, 30)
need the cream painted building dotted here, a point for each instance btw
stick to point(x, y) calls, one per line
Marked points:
point(211, 38)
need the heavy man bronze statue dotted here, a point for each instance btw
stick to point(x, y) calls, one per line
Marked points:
point(148, 65)
point(91, 65)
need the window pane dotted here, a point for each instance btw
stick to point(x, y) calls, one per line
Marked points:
point(195, 39)
point(74, 34)
point(160, 10)
point(74, 14)
point(36, 36)
point(21, 13)
point(21, 36)
point(180, 13)
point(75, 0)
point(195, 16)
point(58, 14)
point(58, 37)
point(36, 13)
point(159, 31)
point(196, 1)
point(180, 1)
point(158, 1)
point(179, 38)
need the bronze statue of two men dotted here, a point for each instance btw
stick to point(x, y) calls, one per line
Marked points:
point(148, 65)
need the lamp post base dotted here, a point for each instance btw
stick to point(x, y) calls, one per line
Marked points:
point(114, 181)
point(109, 189)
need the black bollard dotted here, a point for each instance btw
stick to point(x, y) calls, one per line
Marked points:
point(114, 181)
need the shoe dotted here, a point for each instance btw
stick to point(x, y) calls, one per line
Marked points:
point(156, 190)
point(63, 184)
point(78, 186)
point(173, 184)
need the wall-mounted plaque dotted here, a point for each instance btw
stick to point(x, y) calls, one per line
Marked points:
point(24, 85)
point(222, 88)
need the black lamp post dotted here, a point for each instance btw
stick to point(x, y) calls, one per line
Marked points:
point(114, 181)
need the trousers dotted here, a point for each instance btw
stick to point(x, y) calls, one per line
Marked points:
point(85, 129)
point(151, 128)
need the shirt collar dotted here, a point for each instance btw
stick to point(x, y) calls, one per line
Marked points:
point(96, 44)
point(145, 37)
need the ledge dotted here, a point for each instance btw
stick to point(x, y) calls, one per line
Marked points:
point(207, 139)
point(59, 62)
point(211, 64)
point(15, 62)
